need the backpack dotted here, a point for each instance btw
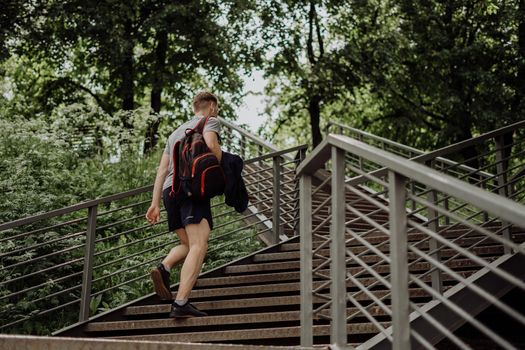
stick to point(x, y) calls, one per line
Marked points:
point(197, 173)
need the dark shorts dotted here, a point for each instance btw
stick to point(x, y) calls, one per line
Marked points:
point(185, 212)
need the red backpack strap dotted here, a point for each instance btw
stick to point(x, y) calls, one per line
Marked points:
point(175, 160)
point(199, 127)
point(202, 124)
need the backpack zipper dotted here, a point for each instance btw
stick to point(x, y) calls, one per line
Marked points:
point(203, 177)
point(196, 160)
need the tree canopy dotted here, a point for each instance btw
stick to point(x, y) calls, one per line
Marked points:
point(427, 74)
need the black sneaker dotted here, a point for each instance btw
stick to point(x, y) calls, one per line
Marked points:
point(186, 310)
point(161, 282)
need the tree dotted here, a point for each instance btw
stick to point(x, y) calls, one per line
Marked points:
point(121, 53)
point(427, 73)
point(305, 68)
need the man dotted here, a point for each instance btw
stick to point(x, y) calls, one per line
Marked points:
point(190, 219)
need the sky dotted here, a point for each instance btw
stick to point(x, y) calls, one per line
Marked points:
point(253, 104)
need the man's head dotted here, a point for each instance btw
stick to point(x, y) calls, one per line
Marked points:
point(205, 103)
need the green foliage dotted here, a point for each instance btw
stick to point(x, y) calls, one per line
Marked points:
point(425, 74)
point(45, 165)
point(78, 153)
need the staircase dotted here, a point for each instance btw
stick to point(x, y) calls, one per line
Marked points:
point(265, 298)
point(256, 300)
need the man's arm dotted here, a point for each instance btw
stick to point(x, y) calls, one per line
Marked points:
point(212, 141)
point(153, 214)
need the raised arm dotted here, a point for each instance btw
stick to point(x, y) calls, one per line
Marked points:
point(153, 214)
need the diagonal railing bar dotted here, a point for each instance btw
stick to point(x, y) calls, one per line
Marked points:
point(480, 174)
point(412, 263)
point(494, 301)
point(458, 310)
point(451, 336)
point(481, 230)
point(466, 241)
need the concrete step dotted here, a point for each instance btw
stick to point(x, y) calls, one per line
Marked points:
point(463, 242)
point(29, 342)
point(253, 334)
point(255, 290)
point(263, 278)
point(165, 308)
point(244, 303)
point(238, 319)
point(294, 255)
point(369, 259)
point(376, 237)
point(165, 323)
point(295, 265)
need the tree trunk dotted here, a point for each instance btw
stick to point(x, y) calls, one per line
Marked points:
point(315, 116)
point(518, 103)
point(470, 154)
point(314, 96)
point(127, 71)
point(156, 89)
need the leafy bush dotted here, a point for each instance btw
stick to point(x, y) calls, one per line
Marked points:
point(81, 153)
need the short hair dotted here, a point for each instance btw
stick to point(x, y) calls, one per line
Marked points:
point(203, 100)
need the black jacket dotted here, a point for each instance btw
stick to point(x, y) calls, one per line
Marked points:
point(235, 192)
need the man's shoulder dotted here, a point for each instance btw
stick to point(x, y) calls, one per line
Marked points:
point(213, 124)
point(179, 132)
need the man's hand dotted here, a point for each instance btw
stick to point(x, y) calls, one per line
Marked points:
point(153, 214)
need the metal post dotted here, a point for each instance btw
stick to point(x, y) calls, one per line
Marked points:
point(276, 222)
point(228, 138)
point(243, 147)
point(413, 192)
point(412, 185)
point(260, 177)
point(87, 275)
point(360, 138)
point(305, 229)
point(399, 264)
point(302, 155)
point(327, 130)
point(501, 169)
point(433, 244)
point(338, 336)
point(446, 206)
point(299, 157)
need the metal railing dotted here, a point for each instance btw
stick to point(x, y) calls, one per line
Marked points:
point(267, 174)
point(492, 161)
point(94, 256)
point(415, 278)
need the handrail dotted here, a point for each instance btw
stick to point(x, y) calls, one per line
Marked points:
point(473, 141)
point(503, 207)
point(447, 149)
point(445, 245)
point(480, 176)
point(74, 207)
point(117, 196)
point(418, 154)
point(254, 138)
point(277, 153)
point(375, 137)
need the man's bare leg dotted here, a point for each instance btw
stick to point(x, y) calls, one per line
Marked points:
point(198, 235)
point(177, 253)
point(160, 275)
